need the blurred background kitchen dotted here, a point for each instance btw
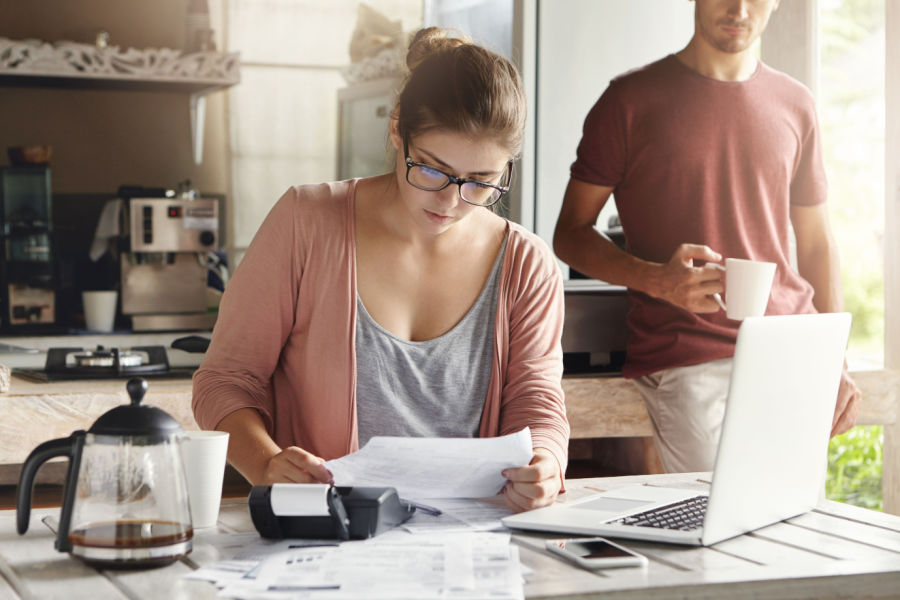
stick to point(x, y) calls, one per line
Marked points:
point(307, 99)
point(153, 138)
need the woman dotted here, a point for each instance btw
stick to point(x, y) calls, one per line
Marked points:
point(398, 304)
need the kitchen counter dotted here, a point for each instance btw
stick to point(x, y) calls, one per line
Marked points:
point(31, 351)
point(36, 412)
point(612, 407)
point(597, 407)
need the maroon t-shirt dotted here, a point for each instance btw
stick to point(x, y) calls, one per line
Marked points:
point(698, 160)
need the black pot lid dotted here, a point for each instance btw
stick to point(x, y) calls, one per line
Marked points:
point(136, 419)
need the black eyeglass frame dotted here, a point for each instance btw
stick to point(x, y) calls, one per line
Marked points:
point(459, 181)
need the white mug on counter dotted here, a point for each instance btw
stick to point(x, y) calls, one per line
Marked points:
point(99, 309)
point(748, 285)
point(203, 454)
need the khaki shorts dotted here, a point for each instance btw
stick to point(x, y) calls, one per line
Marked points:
point(686, 406)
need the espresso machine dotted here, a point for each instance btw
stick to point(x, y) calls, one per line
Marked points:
point(165, 262)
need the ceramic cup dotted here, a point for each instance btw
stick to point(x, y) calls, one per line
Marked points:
point(748, 284)
point(99, 309)
point(203, 454)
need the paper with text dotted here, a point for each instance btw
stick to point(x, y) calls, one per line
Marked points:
point(440, 567)
point(460, 514)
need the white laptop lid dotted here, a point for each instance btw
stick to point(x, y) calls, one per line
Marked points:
point(773, 452)
point(772, 455)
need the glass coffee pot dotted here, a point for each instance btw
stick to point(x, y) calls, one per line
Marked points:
point(125, 501)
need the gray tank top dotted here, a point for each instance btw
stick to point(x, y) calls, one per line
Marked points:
point(434, 388)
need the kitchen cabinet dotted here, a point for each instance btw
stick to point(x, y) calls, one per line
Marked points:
point(72, 65)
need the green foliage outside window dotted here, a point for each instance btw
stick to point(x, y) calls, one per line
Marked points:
point(854, 467)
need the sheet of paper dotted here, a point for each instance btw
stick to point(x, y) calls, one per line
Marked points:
point(434, 467)
point(460, 514)
point(241, 553)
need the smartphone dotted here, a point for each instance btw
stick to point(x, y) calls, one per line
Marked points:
point(596, 553)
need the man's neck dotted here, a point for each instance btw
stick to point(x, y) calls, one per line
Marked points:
point(715, 64)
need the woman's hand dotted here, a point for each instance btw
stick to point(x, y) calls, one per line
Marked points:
point(295, 465)
point(533, 486)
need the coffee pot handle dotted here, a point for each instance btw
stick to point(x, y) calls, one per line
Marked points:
point(71, 447)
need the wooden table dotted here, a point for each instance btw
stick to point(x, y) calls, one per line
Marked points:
point(835, 551)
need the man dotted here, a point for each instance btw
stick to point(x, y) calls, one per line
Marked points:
point(710, 154)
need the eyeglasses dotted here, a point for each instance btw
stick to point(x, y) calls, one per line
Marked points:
point(430, 179)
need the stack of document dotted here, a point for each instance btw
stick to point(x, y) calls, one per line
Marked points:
point(458, 558)
point(396, 565)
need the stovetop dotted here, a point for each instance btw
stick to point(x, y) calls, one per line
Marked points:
point(66, 364)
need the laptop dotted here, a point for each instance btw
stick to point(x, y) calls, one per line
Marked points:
point(772, 456)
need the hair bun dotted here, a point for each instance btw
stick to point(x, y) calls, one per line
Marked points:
point(430, 41)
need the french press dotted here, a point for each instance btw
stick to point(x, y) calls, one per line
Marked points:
point(125, 501)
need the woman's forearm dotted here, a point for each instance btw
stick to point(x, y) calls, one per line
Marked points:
point(249, 444)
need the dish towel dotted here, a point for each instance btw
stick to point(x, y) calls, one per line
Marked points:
point(108, 228)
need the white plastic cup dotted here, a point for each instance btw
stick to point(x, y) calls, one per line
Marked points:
point(100, 309)
point(203, 454)
point(748, 284)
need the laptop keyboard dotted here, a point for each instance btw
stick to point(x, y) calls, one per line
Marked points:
point(684, 515)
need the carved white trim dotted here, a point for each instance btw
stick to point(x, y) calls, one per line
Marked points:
point(71, 59)
point(389, 62)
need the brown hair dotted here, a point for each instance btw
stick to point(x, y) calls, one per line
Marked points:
point(456, 85)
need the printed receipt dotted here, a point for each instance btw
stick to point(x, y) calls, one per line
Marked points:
point(434, 467)
point(299, 500)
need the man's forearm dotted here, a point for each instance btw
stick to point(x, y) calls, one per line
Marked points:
point(817, 256)
point(595, 255)
point(822, 269)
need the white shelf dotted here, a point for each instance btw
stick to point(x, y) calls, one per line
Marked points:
point(33, 63)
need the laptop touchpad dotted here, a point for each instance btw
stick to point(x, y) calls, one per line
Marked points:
point(614, 505)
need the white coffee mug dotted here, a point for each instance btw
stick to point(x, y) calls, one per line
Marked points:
point(748, 286)
point(203, 454)
point(99, 309)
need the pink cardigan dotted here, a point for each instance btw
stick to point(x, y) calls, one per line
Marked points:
point(284, 343)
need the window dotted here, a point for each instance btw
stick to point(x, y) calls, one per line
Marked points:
point(839, 48)
point(283, 115)
point(851, 99)
point(851, 111)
